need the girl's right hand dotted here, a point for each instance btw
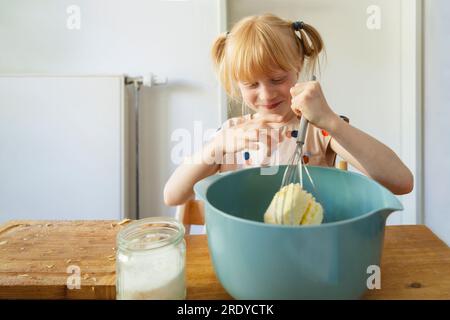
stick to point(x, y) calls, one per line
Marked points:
point(246, 135)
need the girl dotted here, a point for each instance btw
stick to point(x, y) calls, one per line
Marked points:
point(259, 62)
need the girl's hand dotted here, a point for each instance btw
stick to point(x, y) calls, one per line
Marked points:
point(245, 136)
point(308, 100)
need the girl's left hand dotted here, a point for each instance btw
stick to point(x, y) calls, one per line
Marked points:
point(308, 100)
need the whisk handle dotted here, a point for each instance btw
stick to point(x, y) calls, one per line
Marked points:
point(302, 130)
point(303, 124)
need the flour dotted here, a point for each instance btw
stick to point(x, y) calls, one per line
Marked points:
point(158, 275)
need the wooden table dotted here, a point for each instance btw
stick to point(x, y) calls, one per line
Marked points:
point(35, 257)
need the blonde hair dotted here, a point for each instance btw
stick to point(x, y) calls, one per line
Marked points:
point(257, 45)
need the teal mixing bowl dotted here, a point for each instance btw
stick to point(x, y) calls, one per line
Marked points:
point(334, 260)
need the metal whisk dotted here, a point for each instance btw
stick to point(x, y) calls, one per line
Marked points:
point(294, 168)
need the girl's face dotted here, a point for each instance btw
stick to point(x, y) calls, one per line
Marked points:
point(270, 94)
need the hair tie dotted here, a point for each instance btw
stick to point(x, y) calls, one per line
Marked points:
point(298, 25)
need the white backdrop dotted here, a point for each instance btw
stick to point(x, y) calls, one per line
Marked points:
point(437, 117)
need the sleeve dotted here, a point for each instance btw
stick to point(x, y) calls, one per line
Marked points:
point(330, 155)
point(325, 155)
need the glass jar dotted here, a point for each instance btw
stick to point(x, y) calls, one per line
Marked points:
point(150, 262)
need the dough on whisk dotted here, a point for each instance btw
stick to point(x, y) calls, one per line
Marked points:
point(301, 204)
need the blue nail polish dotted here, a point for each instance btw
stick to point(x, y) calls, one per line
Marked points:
point(294, 133)
point(246, 155)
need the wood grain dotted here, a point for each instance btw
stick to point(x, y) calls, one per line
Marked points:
point(202, 282)
point(415, 265)
point(34, 257)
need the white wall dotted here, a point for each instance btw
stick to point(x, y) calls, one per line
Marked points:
point(170, 38)
point(437, 117)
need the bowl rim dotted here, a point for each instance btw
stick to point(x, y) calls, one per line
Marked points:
point(296, 227)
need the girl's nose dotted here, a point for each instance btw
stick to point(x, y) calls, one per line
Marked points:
point(266, 93)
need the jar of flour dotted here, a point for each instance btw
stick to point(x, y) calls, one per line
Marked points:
point(150, 262)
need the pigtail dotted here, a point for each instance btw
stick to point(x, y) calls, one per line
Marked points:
point(220, 66)
point(218, 50)
point(311, 45)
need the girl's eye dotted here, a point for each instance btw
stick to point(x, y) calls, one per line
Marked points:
point(251, 85)
point(278, 80)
